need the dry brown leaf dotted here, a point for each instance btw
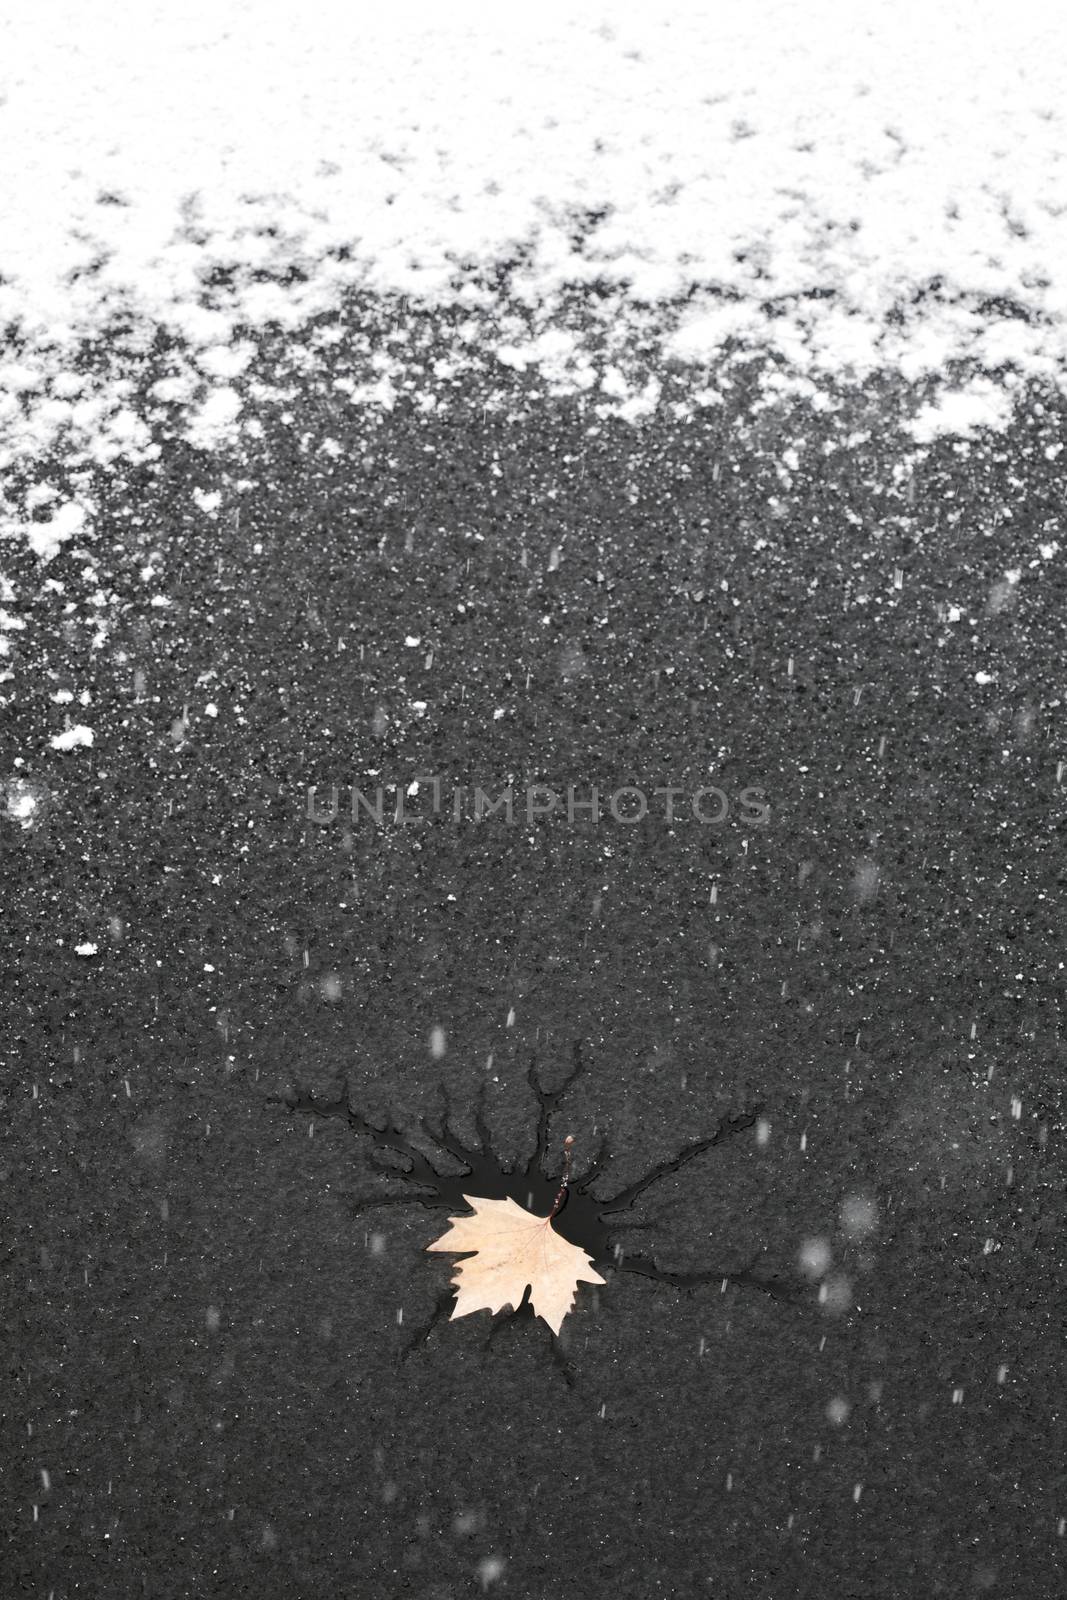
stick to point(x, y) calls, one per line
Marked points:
point(513, 1249)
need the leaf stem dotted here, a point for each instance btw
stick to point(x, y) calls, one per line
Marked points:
point(561, 1194)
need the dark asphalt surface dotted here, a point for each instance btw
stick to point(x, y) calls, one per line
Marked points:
point(223, 1375)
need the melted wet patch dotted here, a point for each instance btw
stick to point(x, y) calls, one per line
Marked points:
point(599, 1224)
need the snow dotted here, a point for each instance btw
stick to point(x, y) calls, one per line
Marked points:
point(843, 189)
point(45, 538)
point(72, 738)
point(23, 801)
point(962, 411)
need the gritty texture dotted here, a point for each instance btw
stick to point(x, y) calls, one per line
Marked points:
point(206, 1385)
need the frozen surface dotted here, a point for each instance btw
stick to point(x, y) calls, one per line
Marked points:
point(846, 190)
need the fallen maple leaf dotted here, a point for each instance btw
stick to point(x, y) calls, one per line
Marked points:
point(513, 1249)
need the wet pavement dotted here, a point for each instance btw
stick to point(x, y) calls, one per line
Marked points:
point(829, 1355)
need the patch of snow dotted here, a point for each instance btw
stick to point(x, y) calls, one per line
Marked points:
point(213, 421)
point(842, 190)
point(962, 412)
point(23, 800)
point(46, 538)
point(72, 738)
